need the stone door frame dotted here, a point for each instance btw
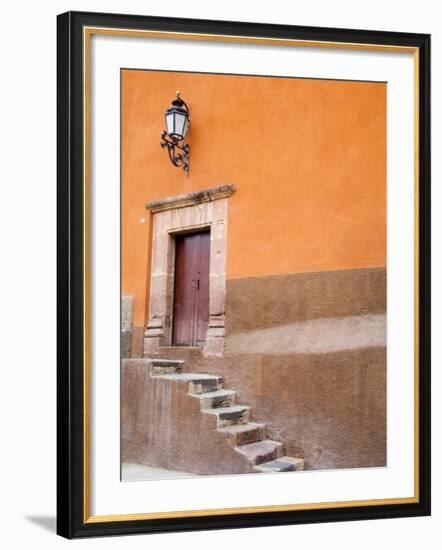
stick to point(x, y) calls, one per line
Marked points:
point(191, 212)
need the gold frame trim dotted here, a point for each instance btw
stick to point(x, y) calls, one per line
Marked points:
point(87, 33)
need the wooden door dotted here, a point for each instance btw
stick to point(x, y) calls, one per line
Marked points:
point(191, 294)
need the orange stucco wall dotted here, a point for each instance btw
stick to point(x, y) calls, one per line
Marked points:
point(308, 158)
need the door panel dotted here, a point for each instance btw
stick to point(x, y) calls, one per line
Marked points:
point(191, 294)
point(202, 283)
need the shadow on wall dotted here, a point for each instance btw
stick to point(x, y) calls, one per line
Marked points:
point(48, 523)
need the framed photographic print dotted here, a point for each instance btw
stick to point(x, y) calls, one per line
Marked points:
point(243, 274)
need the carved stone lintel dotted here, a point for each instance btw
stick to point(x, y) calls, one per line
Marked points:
point(191, 199)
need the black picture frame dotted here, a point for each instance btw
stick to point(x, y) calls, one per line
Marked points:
point(71, 396)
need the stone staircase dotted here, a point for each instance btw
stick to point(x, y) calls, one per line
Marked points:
point(230, 419)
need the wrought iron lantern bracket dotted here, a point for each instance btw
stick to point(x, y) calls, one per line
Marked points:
point(173, 138)
point(178, 155)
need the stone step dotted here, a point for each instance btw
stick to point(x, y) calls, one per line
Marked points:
point(215, 399)
point(226, 416)
point(281, 464)
point(159, 367)
point(242, 434)
point(261, 451)
point(198, 383)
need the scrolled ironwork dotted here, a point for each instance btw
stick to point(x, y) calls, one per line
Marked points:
point(179, 155)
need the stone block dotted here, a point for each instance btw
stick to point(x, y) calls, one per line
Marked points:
point(126, 344)
point(151, 346)
point(213, 346)
point(127, 311)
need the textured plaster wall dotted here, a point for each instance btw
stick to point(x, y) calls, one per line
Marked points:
point(307, 352)
point(306, 247)
point(261, 302)
point(308, 158)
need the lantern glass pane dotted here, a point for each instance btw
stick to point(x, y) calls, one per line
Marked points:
point(180, 122)
point(170, 123)
point(186, 127)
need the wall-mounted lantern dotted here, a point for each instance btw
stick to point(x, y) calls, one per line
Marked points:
point(177, 126)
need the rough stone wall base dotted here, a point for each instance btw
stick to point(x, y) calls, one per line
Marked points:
point(328, 407)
